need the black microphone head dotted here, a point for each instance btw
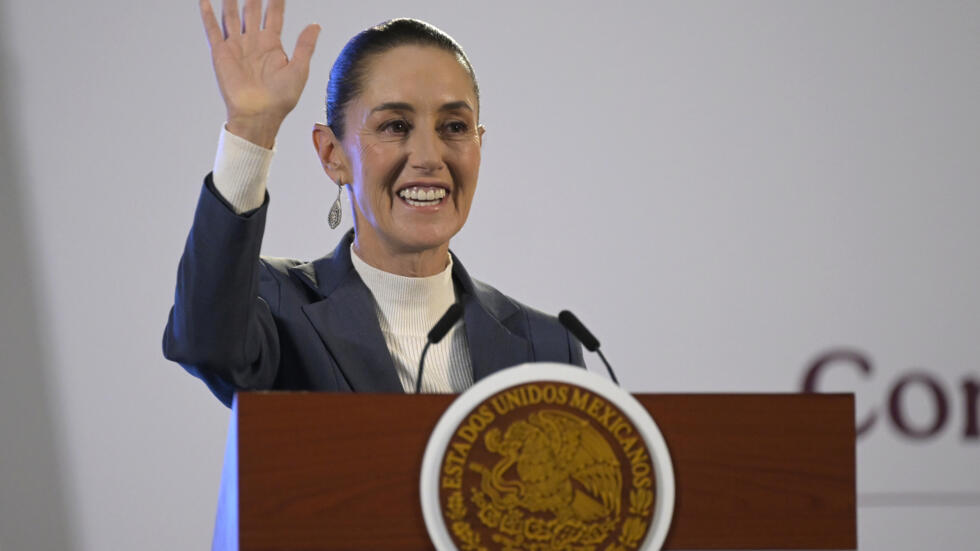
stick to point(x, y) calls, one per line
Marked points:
point(446, 322)
point(576, 328)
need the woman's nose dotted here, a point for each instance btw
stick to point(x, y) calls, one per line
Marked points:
point(426, 153)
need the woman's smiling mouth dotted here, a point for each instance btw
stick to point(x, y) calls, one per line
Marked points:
point(422, 196)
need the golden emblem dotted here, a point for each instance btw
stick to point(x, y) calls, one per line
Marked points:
point(547, 467)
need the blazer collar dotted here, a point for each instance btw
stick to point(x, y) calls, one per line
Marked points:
point(487, 314)
point(346, 321)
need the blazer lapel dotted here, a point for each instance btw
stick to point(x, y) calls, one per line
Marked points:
point(492, 346)
point(347, 324)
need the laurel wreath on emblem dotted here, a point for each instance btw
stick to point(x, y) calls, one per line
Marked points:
point(566, 495)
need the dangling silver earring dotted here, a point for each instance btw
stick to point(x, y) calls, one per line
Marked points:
point(335, 211)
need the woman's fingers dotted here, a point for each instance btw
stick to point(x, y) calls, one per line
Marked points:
point(305, 44)
point(259, 84)
point(273, 16)
point(253, 15)
point(211, 28)
point(253, 19)
point(229, 18)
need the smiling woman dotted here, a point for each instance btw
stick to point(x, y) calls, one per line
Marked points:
point(410, 152)
point(403, 135)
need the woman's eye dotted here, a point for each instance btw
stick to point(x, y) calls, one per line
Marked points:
point(456, 127)
point(398, 127)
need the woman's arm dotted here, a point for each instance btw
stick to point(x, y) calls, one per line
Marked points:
point(220, 328)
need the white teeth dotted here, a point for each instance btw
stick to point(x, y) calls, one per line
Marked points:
point(418, 197)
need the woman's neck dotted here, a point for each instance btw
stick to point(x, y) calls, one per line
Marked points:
point(423, 263)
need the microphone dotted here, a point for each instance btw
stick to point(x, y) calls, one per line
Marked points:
point(588, 340)
point(438, 331)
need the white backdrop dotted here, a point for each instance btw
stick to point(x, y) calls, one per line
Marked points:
point(727, 191)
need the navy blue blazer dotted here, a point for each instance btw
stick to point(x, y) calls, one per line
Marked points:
point(241, 322)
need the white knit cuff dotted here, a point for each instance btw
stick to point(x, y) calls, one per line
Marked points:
point(241, 170)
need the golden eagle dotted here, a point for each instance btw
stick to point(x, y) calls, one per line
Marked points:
point(563, 466)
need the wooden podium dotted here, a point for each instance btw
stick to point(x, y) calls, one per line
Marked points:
point(316, 471)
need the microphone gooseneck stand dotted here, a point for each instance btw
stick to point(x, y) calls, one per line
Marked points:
point(436, 334)
point(586, 337)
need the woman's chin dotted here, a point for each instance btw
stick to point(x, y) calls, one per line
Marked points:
point(425, 241)
point(421, 237)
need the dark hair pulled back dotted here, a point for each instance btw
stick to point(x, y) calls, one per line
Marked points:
point(348, 71)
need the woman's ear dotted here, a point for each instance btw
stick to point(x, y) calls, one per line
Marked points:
point(331, 154)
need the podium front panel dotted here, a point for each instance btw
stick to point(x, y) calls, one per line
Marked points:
point(325, 471)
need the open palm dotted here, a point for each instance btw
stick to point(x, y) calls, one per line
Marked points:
point(260, 84)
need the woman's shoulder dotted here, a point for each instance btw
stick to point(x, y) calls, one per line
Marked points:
point(502, 307)
point(548, 339)
point(280, 265)
point(499, 305)
point(287, 280)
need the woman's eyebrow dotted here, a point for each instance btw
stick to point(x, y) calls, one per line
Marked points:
point(394, 106)
point(402, 106)
point(455, 105)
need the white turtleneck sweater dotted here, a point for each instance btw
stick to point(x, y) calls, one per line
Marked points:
point(407, 307)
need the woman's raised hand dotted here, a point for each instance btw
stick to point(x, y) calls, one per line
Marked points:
point(259, 83)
